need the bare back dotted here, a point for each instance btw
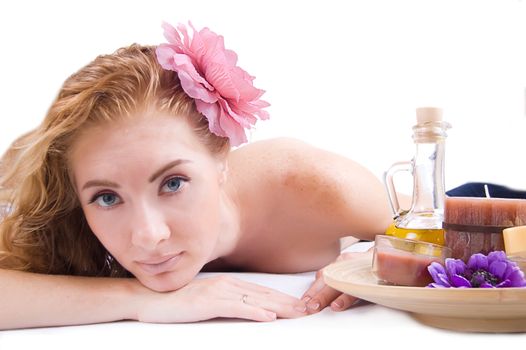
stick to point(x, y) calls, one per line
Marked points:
point(296, 202)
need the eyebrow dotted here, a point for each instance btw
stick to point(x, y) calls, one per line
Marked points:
point(166, 167)
point(106, 183)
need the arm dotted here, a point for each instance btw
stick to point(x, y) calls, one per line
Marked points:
point(37, 300)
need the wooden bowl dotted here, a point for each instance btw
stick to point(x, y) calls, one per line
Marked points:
point(459, 309)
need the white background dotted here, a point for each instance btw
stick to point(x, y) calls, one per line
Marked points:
point(343, 75)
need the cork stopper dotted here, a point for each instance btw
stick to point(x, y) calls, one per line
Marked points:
point(515, 240)
point(428, 114)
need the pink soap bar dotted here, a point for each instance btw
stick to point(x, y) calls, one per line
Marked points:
point(403, 268)
point(474, 225)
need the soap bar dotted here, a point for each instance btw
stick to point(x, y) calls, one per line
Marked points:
point(515, 240)
point(404, 262)
point(474, 225)
point(403, 269)
point(515, 245)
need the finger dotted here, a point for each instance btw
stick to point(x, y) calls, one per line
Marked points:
point(343, 302)
point(323, 298)
point(319, 284)
point(257, 288)
point(314, 289)
point(286, 306)
point(282, 307)
point(263, 291)
point(248, 312)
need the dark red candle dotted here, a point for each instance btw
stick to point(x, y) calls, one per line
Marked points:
point(474, 225)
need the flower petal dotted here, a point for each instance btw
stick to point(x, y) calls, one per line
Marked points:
point(243, 82)
point(517, 278)
point(194, 89)
point(459, 281)
point(455, 267)
point(478, 262)
point(211, 112)
point(444, 280)
point(498, 268)
point(486, 285)
point(246, 120)
point(186, 43)
point(497, 255)
point(235, 132)
point(252, 107)
point(171, 34)
point(165, 54)
point(221, 123)
point(504, 284)
point(435, 269)
point(223, 92)
point(207, 47)
point(221, 79)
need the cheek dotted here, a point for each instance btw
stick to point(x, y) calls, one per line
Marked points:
point(107, 230)
point(202, 218)
point(210, 207)
point(200, 222)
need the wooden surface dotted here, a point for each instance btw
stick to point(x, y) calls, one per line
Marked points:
point(472, 310)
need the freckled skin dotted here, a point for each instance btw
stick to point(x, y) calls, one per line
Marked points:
point(278, 206)
point(306, 199)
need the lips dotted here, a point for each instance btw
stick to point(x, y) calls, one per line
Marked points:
point(158, 265)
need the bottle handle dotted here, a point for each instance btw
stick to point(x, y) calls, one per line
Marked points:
point(389, 184)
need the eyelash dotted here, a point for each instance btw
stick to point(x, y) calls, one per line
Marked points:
point(182, 181)
point(168, 179)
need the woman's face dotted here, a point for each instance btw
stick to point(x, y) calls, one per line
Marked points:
point(151, 193)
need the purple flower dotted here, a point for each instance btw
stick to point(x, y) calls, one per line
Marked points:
point(481, 271)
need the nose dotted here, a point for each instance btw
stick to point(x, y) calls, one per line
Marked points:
point(148, 228)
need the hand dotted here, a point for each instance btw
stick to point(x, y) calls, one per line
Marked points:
point(320, 295)
point(220, 296)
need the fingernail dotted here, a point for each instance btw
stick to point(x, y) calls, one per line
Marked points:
point(271, 315)
point(313, 305)
point(306, 299)
point(337, 304)
point(300, 308)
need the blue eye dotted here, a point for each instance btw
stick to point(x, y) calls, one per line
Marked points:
point(173, 184)
point(106, 200)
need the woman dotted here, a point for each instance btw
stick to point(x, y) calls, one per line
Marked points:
point(131, 174)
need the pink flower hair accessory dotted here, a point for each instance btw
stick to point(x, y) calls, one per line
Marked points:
point(223, 92)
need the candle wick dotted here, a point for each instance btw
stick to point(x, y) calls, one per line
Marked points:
point(486, 190)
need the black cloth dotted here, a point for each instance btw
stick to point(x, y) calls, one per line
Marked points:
point(476, 189)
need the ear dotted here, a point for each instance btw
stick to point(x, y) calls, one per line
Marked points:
point(222, 168)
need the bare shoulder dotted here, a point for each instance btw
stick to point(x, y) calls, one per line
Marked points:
point(340, 193)
point(298, 165)
point(265, 168)
point(276, 155)
point(283, 163)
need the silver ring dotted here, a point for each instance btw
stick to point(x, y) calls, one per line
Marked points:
point(244, 298)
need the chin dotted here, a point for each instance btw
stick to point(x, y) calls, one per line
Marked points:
point(167, 281)
point(162, 283)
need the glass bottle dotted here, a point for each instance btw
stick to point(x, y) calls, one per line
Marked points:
point(423, 220)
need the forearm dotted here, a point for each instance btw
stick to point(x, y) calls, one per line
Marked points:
point(37, 300)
